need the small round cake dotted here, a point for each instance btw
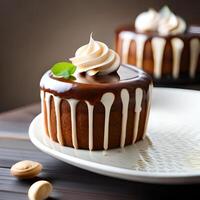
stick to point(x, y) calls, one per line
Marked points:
point(103, 105)
point(162, 45)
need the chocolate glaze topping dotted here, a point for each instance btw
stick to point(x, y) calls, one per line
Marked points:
point(84, 87)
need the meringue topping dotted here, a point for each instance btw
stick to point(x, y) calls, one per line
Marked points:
point(169, 23)
point(164, 22)
point(147, 21)
point(96, 58)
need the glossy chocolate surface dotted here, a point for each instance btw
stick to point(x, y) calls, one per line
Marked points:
point(84, 87)
point(124, 73)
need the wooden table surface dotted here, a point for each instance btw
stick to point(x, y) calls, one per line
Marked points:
point(73, 183)
point(69, 182)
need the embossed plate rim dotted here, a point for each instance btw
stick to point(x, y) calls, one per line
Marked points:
point(117, 172)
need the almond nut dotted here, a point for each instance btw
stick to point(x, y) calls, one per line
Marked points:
point(26, 169)
point(39, 190)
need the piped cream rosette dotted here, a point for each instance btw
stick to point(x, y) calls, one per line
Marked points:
point(164, 22)
point(96, 58)
point(170, 23)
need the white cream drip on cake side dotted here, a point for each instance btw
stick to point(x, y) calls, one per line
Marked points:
point(177, 48)
point(138, 109)
point(90, 121)
point(158, 47)
point(139, 40)
point(48, 103)
point(149, 97)
point(57, 101)
point(107, 101)
point(194, 52)
point(125, 103)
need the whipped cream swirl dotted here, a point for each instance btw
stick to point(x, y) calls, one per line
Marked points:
point(147, 21)
point(169, 23)
point(164, 22)
point(96, 58)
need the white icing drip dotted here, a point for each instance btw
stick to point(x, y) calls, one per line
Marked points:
point(127, 35)
point(73, 103)
point(125, 103)
point(194, 55)
point(57, 101)
point(42, 100)
point(107, 100)
point(125, 50)
point(47, 100)
point(148, 109)
point(177, 48)
point(138, 108)
point(42, 107)
point(140, 42)
point(90, 121)
point(139, 39)
point(48, 83)
point(158, 46)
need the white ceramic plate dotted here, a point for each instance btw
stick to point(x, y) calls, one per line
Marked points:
point(169, 154)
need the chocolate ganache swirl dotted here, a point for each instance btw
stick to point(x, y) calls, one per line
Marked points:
point(96, 58)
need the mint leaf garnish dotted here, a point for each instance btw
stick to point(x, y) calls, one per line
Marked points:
point(63, 69)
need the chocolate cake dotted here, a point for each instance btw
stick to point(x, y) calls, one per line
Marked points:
point(161, 44)
point(104, 105)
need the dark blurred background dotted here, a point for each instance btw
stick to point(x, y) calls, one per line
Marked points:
point(36, 34)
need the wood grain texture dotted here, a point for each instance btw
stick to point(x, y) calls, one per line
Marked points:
point(69, 182)
point(15, 123)
point(73, 183)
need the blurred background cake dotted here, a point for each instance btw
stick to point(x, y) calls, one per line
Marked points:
point(113, 98)
point(32, 38)
point(162, 44)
